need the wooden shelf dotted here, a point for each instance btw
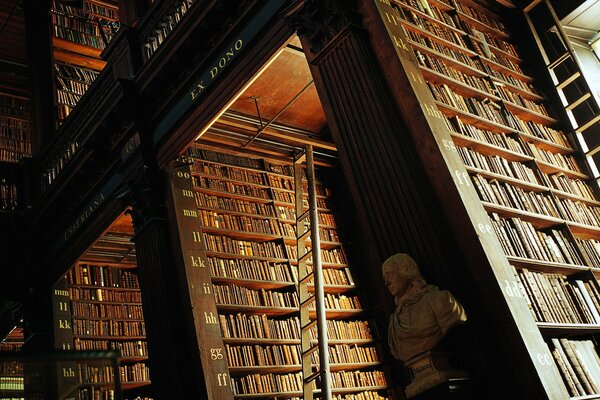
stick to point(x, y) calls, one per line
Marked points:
point(507, 70)
point(432, 19)
point(270, 341)
point(456, 85)
point(446, 43)
point(131, 385)
point(281, 369)
point(562, 194)
point(546, 144)
point(517, 182)
point(270, 311)
point(251, 283)
point(243, 257)
point(243, 235)
point(232, 180)
point(553, 328)
point(529, 115)
point(584, 231)
point(101, 287)
point(549, 169)
point(86, 317)
point(453, 62)
point(546, 266)
point(481, 26)
point(280, 395)
point(539, 221)
point(240, 213)
point(472, 119)
point(487, 148)
point(217, 192)
point(516, 89)
point(105, 302)
point(115, 338)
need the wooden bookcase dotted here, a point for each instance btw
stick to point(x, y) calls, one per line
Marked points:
point(529, 177)
point(11, 370)
point(78, 37)
point(246, 210)
point(106, 314)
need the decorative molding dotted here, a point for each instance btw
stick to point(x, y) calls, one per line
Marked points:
point(321, 20)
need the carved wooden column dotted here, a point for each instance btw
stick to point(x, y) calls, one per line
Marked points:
point(173, 359)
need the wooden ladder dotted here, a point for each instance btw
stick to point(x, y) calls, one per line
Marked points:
point(308, 246)
point(576, 96)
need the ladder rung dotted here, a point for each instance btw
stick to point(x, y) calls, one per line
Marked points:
point(305, 256)
point(309, 325)
point(307, 277)
point(578, 102)
point(304, 235)
point(532, 5)
point(588, 124)
point(303, 216)
point(564, 57)
point(310, 351)
point(568, 81)
point(312, 376)
point(307, 301)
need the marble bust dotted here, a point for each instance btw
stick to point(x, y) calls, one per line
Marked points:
point(423, 314)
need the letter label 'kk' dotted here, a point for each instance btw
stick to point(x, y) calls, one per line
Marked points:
point(197, 262)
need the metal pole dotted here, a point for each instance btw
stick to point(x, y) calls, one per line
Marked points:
point(318, 272)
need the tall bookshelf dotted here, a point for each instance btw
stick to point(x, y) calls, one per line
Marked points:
point(246, 211)
point(79, 34)
point(11, 370)
point(530, 179)
point(106, 314)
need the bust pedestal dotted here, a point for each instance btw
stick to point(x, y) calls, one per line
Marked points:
point(429, 370)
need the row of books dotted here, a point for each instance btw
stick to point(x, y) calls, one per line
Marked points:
point(251, 269)
point(118, 311)
point(97, 294)
point(14, 107)
point(459, 57)
point(274, 383)
point(87, 327)
point(335, 276)
point(439, 66)
point(259, 327)
point(481, 16)
point(342, 302)
point(225, 158)
point(101, 10)
point(486, 108)
point(540, 131)
point(78, 37)
point(520, 239)
point(431, 10)
point(334, 256)
point(102, 275)
point(263, 327)
point(499, 165)
point(243, 223)
point(157, 36)
point(579, 365)
point(503, 140)
point(99, 372)
point(17, 134)
point(564, 161)
point(289, 198)
point(138, 372)
point(75, 23)
point(497, 42)
point(236, 205)
point(435, 28)
point(222, 171)
point(55, 167)
point(554, 298)
point(67, 98)
point(67, 72)
point(9, 199)
point(505, 194)
point(242, 296)
point(350, 354)
point(223, 244)
point(580, 212)
point(571, 185)
point(482, 48)
point(71, 86)
point(519, 99)
point(591, 249)
point(18, 125)
point(231, 187)
point(128, 348)
point(259, 355)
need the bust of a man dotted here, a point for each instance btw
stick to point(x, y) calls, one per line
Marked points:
point(423, 315)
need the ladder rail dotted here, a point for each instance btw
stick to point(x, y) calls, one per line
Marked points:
point(306, 299)
point(581, 94)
